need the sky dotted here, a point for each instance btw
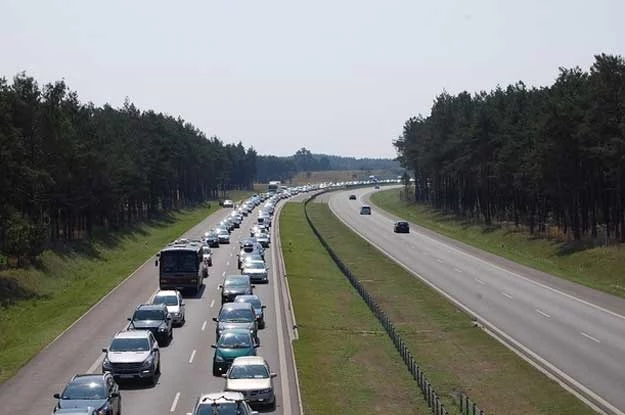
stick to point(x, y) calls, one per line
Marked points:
point(337, 77)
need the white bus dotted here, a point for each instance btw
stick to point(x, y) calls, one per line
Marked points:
point(274, 186)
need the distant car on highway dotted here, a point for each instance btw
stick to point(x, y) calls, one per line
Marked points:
point(175, 305)
point(258, 272)
point(211, 239)
point(401, 227)
point(228, 203)
point(223, 236)
point(222, 403)
point(236, 316)
point(365, 210)
point(133, 355)
point(232, 343)
point(251, 376)
point(352, 197)
point(153, 317)
point(377, 186)
point(99, 391)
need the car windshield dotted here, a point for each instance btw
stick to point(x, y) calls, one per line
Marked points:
point(226, 408)
point(237, 315)
point(148, 315)
point(179, 261)
point(236, 282)
point(84, 391)
point(235, 340)
point(254, 265)
point(255, 302)
point(223, 232)
point(248, 372)
point(130, 345)
point(166, 299)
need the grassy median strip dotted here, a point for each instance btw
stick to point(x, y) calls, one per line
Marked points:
point(600, 268)
point(46, 299)
point(345, 361)
point(455, 355)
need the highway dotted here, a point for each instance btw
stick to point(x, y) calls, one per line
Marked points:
point(573, 332)
point(186, 362)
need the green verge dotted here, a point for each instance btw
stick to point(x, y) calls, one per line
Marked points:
point(48, 298)
point(600, 268)
point(455, 355)
point(345, 362)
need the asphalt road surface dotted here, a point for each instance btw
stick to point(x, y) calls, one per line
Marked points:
point(575, 333)
point(186, 362)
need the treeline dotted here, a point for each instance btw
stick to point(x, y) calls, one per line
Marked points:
point(285, 168)
point(67, 167)
point(540, 157)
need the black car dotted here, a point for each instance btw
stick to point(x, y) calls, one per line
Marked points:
point(234, 285)
point(401, 227)
point(365, 210)
point(212, 239)
point(352, 197)
point(96, 391)
point(153, 317)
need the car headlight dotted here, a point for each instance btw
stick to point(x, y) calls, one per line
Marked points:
point(149, 361)
point(162, 328)
point(106, 363)
point(268, 390)
point(105, 410)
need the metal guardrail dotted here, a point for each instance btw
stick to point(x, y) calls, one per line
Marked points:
point(466, 405)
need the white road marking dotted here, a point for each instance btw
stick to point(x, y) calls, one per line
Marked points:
point(458, 270)
point(505, 294)
point(174, 403)
point(204, 326)
point(543, 313)
point(192, 356)
point(480, 281)
point(212, 303)
point(223, 274)
point(95, 364)
point(228, 263)
point(440, 261)
point(588, 336)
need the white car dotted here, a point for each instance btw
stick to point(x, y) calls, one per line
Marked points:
point(228, 203)
point(175, 305)
point(251, 376)
point(222, 403)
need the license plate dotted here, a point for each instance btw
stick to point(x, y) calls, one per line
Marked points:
point(126, 376)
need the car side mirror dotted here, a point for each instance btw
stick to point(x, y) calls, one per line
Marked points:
point(253, 286)
point(104, 350)
point(114, 394)
point(57, 396)
point(181, 304)
point(256, 345)
point(168, 318)
point(224, 375)
point(263, 306)
point(215, 319)
point(220, 286)
point(156, 263)
point(214, 346)
point(273, 375)
point(129, 319)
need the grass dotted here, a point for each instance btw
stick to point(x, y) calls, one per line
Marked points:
point(600, 268)
point(455, 355)
point(45, 299)
point(345, 361)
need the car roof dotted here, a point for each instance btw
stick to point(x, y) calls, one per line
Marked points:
point(88, 378)
point(365, 206)
point(221, 397)
point(132, 334)
point(243, 297)
point(166, 292)
point(151, 307)
point(236, 277)
point(234, 306)
point(249, 360)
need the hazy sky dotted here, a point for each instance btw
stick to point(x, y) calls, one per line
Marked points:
point(338, 77)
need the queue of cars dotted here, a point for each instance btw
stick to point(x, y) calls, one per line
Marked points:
point(134, 353)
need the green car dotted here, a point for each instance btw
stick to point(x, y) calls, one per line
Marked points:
point(231, 344)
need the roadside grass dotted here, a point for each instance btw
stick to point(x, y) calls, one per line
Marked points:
point(600, 268)
point(454, 354)
point(43, 300)
point(345, 361)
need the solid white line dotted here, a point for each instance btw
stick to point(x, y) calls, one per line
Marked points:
point(480, 281)
point(543, 313)
point(212, 303)
point(588, 336)
point(204, 326)
point(505, 294)
point(175, 402)
point(192, 356)
point(458, 270)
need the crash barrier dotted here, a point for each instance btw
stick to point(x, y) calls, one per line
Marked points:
point(465, 404)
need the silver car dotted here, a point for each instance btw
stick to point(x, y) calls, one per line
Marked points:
point(175, 305)
point(251, 376)
point(257, 271)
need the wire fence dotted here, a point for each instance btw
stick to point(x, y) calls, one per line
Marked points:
point(465, 404)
